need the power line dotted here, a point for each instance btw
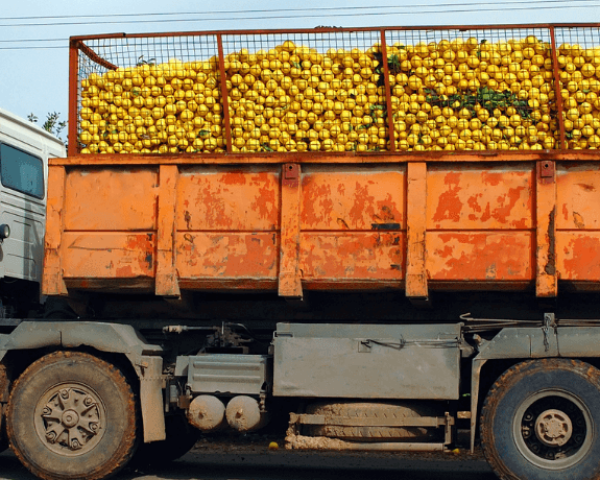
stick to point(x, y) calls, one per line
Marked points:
point(283, 10)
point(321, 15)
point(35, 40)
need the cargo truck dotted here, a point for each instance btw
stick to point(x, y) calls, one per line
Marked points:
point(380, 234)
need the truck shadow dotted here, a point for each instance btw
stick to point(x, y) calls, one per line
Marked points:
point(313, 466)
point(291, 466)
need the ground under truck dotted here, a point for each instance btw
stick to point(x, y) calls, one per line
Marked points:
point(377, 235)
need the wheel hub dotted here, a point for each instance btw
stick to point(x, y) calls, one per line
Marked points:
point(553, 428)
point(69, 418)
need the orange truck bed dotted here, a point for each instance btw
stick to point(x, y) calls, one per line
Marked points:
point(503, 221)
point(203, 204)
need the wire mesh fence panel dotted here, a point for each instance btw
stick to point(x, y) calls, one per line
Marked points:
point(472, 89)
point(162, 95)
point(297, 92)
point(578, 58)
point(489, 88)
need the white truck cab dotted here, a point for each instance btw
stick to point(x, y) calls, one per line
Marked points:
point(24, 152)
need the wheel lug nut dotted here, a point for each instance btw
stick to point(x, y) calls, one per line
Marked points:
point(94, 427)
point(51, 437)
point(75, 444)
point(64, 393)
point(88, 401)
point(47, 411)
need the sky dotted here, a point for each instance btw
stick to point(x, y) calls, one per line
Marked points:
point(34, 33)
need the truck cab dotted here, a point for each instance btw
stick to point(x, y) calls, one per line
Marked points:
point(24, 152)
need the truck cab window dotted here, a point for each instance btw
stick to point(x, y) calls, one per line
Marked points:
point(21, 171)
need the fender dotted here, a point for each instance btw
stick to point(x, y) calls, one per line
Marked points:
point(145, 358)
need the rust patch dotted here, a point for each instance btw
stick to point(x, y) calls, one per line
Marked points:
point(363, 202)
point(234, 178)
point(578, 220)
point(586, 187)
point(565, 211)
point(550, 267)
point(449, 205)
point(491, 178)
point(188, 218)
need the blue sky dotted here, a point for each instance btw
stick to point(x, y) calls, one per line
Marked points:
point(35, 80)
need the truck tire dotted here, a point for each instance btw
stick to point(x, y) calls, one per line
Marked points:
point(70, 416)
point(181, 437)
point(541, 421)
point(3, 437)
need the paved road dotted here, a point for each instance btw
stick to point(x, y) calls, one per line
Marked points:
point(293, 466)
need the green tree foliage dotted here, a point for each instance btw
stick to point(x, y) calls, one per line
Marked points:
point(52, 124)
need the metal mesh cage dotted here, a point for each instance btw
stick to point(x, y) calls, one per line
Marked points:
point(490, 88)
point(479, 89)
point(150, 95)
point(305, 92)
point(578, 58)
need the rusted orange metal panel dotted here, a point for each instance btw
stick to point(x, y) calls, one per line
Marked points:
point(546, 284)
point(416, 211)
point(578, 256)
point(166, 274)
point(222, 199)
point(111, 199)
point(227, 256)
point(417, 226)
point(290, 282)
point(52, 280)
point(578, 196)
point(350, 257)
point(353, 198)
point(476, 197)
point(113, 255)
point(578, 223)
point(480, 256)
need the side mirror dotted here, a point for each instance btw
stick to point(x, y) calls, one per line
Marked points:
point(4, 231)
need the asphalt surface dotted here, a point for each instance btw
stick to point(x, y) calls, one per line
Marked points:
point(262, 464)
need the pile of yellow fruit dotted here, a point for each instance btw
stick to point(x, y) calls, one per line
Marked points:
point(463, 94)
point(579, 73)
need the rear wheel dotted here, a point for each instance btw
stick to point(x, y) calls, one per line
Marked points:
point(71, 415)
point(541, 421)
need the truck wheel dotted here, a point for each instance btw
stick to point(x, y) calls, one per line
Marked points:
point(541, 421)
point(3, 438)
point(70, 416)
point(181, 437)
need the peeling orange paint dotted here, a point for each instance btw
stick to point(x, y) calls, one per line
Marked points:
point(480, 197)
point(347, 226)
point(216, 199)
point(578, 191)
point(108, 255)
point(354, 200)
point(578, 256)
point(356, 256)
point(480, 256)
point(227, 255)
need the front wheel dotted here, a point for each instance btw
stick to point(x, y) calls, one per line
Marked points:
point(541, 421)
point(71, 416)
